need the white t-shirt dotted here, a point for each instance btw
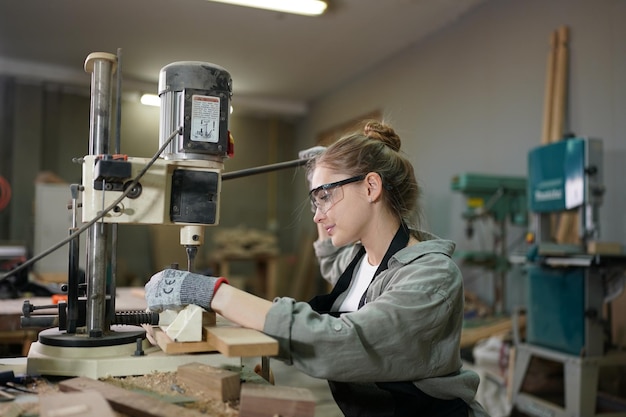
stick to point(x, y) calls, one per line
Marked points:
point(359, 286)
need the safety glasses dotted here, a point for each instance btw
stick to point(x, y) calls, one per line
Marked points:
point(325, 196)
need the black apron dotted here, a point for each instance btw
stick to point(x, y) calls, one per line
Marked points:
point(382, 399)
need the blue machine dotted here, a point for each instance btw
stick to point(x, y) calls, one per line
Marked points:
point(565, 283)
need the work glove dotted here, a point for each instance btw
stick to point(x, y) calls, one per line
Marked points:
point(311, 152)
point(172, 289)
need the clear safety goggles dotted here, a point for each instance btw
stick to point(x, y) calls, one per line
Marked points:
point(325, 196)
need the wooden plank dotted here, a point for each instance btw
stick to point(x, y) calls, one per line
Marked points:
point(171, 347)
point(604, 248)
point(74, 404)
point(559, 98)
point(270, 400)
point(471, 335)
point(212, 382)
point(225, 337)
point(229, 341)
point(239, 341)
point(549, 91)
point(567, 229)
point(128, 402)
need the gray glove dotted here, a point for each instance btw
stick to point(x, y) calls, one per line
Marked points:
point(174, 289)
point(311, 152)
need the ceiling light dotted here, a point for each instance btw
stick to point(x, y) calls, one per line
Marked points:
point(305, 7)
point(151, 100)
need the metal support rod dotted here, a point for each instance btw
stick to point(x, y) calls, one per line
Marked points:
point(265, 368)
point(73, 283)
point(118, 105)
point(73, 276)
point(264, 168)
point(96, 279)
point(112, 287)
point(101, 65)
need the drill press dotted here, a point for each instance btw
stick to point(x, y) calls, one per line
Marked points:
point(502, 199)
point(180, 188)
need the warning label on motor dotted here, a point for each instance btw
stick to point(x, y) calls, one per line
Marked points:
point(205, 118)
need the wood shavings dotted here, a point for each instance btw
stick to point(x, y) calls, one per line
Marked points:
point(162, 384)
point(166, 385)
point(19, 409)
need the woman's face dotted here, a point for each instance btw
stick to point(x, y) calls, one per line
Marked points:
point(340, 204)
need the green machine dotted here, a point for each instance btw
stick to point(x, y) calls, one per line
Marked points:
point(501, 197)
point(503, 200)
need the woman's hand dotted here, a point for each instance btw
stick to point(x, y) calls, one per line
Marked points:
point(172, 289)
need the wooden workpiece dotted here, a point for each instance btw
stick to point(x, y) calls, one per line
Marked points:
point(595, 247)
point(227, 338)
point(130, 396)
point(75, 404)
point(128, 402)
point(270, 400)
point(238, 341)
point(213, 382)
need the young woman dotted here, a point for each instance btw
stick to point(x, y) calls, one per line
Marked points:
point(387, 336)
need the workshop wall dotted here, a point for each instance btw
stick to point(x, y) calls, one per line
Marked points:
point(470, 99)
point(43, 129)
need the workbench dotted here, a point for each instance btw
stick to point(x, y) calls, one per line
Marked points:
point(159, 394)
point(224, 372)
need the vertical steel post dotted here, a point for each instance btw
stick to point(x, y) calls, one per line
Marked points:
point(101, 66)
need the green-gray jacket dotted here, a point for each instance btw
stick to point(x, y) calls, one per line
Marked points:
point(409, 329)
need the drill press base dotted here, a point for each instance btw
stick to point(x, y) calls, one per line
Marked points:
point(112, 360)
point(119, 335)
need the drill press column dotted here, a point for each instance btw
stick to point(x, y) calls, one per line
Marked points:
point(102, 66)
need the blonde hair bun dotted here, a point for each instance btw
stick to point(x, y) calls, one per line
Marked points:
point(377, 130)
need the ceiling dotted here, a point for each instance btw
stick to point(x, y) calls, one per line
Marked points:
point(273, 58)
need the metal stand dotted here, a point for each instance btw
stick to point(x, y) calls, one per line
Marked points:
point(580, 383)
point(554, 320)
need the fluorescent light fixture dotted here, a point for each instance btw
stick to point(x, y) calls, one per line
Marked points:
point(151, 100)
point(305, 7)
